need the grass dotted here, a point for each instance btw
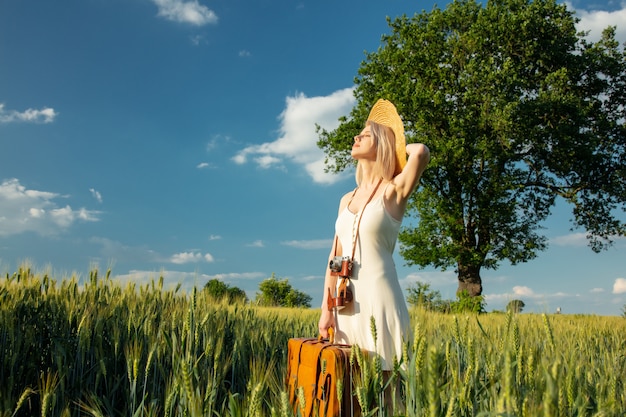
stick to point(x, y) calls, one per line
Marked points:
point(100, 349)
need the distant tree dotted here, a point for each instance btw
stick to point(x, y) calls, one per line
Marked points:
point(520, 112)
point(515, 306)
point(420, 295)
point(237, 294)
point(219, 290)
point(279, 293)
point(216, 288)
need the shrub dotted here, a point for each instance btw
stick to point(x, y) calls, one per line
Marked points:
point(465, 303)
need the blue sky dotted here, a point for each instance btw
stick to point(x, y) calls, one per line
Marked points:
point(177, 138)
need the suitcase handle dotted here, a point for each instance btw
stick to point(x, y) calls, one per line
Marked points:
point(331, 335)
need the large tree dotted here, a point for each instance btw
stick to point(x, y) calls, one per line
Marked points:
point(519, 111)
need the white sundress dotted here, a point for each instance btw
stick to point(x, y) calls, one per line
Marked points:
point(377, 292)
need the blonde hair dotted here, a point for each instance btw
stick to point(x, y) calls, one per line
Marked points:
point(385, 166)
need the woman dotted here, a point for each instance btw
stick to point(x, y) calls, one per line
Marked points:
point(367, 226)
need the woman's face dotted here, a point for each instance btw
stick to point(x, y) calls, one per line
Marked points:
point(364, 145)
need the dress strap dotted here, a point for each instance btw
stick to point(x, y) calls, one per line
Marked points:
point(352, 196)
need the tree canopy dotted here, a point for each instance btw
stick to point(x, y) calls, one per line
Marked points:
point(279, 293)
point(519, 111)
point(220, 291)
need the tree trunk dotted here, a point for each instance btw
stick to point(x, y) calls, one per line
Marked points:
point(469, 280)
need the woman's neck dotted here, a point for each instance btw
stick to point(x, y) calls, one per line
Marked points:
point(369, 182)
point(369, 176)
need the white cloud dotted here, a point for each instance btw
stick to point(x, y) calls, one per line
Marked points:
point(216, 141)
point(240, 158)
point(441, 280)
point(191, 12)
point(45, 115)
point(267, 161)
point(256, 244)
point(578, 240)
point(619, 287)
point(190, 257)
point(298, 138)
point(522, 291)
point(233, 276)
point(96, 194)
point(309, 244)
point(595, 21)
point(597, 290)
point(215, 237)
point(187, 280)
point(197, 39)
point(574, 239)
point(63, 216)
point(35, 211)
point(171, 279)
point(316, 278)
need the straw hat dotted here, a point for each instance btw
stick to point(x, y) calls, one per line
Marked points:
point(385, 113)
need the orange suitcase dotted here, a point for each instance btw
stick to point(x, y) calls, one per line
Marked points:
point(319, 378)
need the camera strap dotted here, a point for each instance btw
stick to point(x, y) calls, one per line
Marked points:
point(343, 291)
point(360, 215)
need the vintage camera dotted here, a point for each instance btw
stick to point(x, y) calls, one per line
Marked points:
point(341, 266)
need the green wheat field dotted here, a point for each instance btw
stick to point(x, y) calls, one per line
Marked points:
point(98, 348)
